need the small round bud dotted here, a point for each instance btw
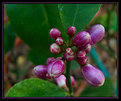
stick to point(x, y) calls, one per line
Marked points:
point(69, 57)
point(97, 33)
point(50, 60)
point(69, 51)
point(71, 31)
point(82, 39)
point(55, 49)
point(83, 60)
point(93, 75)
point(88, 48)
point(81, 54)
point(54, 33)
point(56, 68)
point(61, 80)
point(40, 71)
point(72, 81)
point(59, 41)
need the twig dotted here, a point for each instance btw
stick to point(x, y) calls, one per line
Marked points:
point(81, 87)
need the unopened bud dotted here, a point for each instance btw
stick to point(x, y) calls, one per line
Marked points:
point(69, 51)
point(40, 71)
point(54, 33)
point(93, 75)
point(83, 60)
point(59, 41)
point(71, 31)
point(56, 68)
point(50, 60)
point(82, 39)
point(81, 54)
point(55, 49)
point(97, 33)
point(69, 57)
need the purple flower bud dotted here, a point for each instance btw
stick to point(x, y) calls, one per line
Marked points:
point(61, 80)
point(55, 49)
point(69, 57)
point(56, 68)
point(59, 41)
point(97, 33)
point(83, 60)
point(69, 51)
point(50, 60)
point(87, 48)
point(93, 75)
point(40, 71)
point(54, 33)
point(71, 31)
point(81, 54)
point(82, 39)
point(72, 81)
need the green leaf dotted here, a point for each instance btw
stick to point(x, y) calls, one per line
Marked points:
point(104, 91)
point(74, 65)
point(54, 19)
point(103, 20)
point(35, 88)
point(113, 21)
point(78, 15)
point(32, 22)
point(9, 38)
point(38, 58)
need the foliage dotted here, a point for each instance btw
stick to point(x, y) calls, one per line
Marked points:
point(9, 37)
point(35, 88)
point(34, 30)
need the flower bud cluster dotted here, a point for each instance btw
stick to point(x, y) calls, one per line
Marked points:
point(69, 54)
point(83, 41)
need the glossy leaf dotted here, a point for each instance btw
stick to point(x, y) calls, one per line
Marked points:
point(32, 22)
point(35, 88)
point(113, 21)
point(9, 38)
point(78, 15)
point(103, 20)
point(74, 65)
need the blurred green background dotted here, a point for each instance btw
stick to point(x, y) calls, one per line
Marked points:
point(18, 64)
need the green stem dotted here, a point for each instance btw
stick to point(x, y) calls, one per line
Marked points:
point(68, 71)
point(68, 78)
